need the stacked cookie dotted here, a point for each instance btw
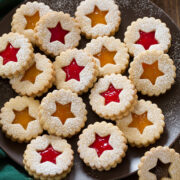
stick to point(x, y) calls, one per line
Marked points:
point(62, 113)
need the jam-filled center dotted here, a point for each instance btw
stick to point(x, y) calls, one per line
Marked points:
point(9, 54)
point(105, 56)
point(63, 112)
point(161, 170)
point(73, 71)
point(111, 94)
point(49, 154)
point(97, 16)
point(151, 72)
point(31, 74)
point(22, 117)
point(140, 121)
point(147, 39)
point(32, 20)
point(58, 33)
point(101, 144)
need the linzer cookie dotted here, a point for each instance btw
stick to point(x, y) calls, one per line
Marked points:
point(16, 54)
point(48, 157)
point(19, 119)
point(37, 79)
point(26, 17)
point(75, 70)
point(56, 32)
point(113, 96)
point(98, 18)
point(110, 54)
point(152, 72)
point(147, 34)
point(62, 113)
point(160, 163)
point(144, 125)
point(102, 146)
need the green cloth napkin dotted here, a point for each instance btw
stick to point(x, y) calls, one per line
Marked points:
point(8, 169)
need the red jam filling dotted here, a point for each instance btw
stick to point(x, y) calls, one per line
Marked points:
point(72, 71)
point(49, 154)
point(111, 94)
point(58, 33)
point(101, 144)
point(9, 54)
point(147, 39)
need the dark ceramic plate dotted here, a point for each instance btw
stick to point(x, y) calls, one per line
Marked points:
point(169, 102)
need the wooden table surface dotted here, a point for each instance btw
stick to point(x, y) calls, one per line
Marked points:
point(172, 8)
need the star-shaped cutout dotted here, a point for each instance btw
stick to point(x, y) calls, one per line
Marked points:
point(63, 112)
point(31, 74)
point(58, 33)
point(151, 72)
point(9, 54)
point(49, 154)
point(73, 70)
point(147, 39)
point(105, 56)
point(101, 144)
point(32, 20)
point(111, 94)
point(161, 170)
point(140, 121)
point(22, 117)
point(97, 16)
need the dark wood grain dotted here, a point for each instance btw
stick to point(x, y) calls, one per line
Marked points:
point(171, 7)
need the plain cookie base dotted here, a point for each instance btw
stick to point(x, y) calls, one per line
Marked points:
point(166, 155)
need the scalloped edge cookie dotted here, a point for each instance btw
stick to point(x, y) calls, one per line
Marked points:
point(109, 158)
point(43, 81)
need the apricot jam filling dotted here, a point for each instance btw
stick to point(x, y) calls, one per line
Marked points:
point(63, 112)
point(22, 117)
point(105, 56)
point(151, 72)
point(31, 74)
point(97, 16)
point(32, 20)
point(140, 121)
